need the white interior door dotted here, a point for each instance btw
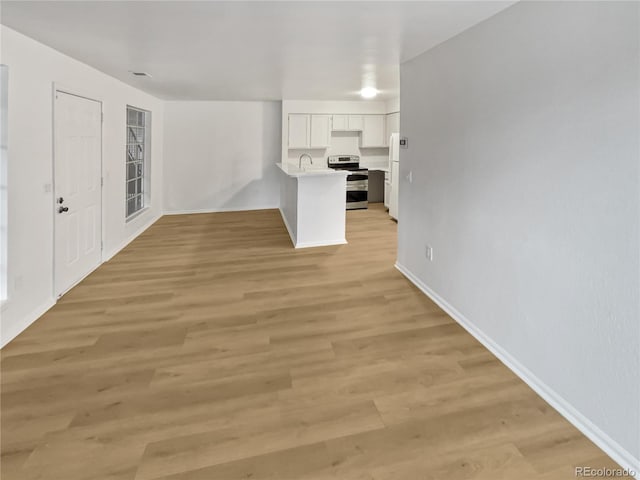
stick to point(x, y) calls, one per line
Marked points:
point(78, 193)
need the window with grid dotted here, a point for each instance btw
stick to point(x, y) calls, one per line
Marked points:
point(137, 159)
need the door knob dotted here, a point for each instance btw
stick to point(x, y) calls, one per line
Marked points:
point(60, 200)
point(63, 209)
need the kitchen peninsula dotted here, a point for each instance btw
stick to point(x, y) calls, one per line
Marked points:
point(313, 205)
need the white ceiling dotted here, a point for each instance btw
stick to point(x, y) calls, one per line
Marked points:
point(206, 50)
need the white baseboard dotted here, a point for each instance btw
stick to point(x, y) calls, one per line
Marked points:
point(14, 330)
point(218, 210)
point(612, 448)
point(108, 256)
point(339, 241)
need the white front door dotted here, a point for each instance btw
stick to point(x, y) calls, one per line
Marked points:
point(77, 176)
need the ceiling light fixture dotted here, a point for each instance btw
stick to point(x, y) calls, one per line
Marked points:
point(368, 92)
point(140, 74)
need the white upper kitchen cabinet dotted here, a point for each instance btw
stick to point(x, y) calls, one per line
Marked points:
point(309, 131)
point(320, 131)
point(374, 131)
point(393, 123)
point(347, 123)
point(355, 123)
point(339, 123)
point(299, 131)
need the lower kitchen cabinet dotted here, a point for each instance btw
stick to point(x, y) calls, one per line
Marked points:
point(376, 186)
point(387, 189)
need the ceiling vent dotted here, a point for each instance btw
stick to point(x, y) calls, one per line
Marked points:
point(141, 74)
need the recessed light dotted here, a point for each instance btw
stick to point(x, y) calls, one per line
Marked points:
point(368, 92)
point(140, 74)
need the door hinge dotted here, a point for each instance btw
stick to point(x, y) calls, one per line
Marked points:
point(102, 117)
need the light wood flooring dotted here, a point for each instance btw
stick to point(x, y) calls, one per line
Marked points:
point(210, 349)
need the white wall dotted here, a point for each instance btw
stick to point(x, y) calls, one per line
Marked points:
point(523, 146)
point(393, 105)
point(338, 106)
point(4, 101)
point(33, 68)
point(221, 156)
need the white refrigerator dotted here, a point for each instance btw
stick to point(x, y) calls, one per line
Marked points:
point(394, 169)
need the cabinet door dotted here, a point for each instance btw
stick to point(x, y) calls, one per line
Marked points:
point(355, 123)
point(393, 124)
point(387, 190)
point(320, 131)
point(374, 131)
point(299, 131)
point(339, 123)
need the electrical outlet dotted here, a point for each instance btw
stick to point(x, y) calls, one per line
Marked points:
point(428, 252)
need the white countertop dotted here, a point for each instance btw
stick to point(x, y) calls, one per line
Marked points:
point(378, 169)
point(294, 171)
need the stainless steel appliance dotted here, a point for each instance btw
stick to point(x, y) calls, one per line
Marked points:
point(357, 179)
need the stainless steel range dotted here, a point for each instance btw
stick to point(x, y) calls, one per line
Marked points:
point(357, 179)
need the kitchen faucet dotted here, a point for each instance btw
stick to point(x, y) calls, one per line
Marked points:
point(301, 157)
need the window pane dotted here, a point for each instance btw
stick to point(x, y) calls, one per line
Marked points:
point(131, 206)
point(132, 170)
point(136, 156)
point(131, 188)
point(130, 153)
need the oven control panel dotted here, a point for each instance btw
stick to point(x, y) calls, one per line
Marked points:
point(341, 159)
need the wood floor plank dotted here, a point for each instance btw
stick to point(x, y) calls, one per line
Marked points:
point(210, 349)
point(284, 428)
point(307, 462)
